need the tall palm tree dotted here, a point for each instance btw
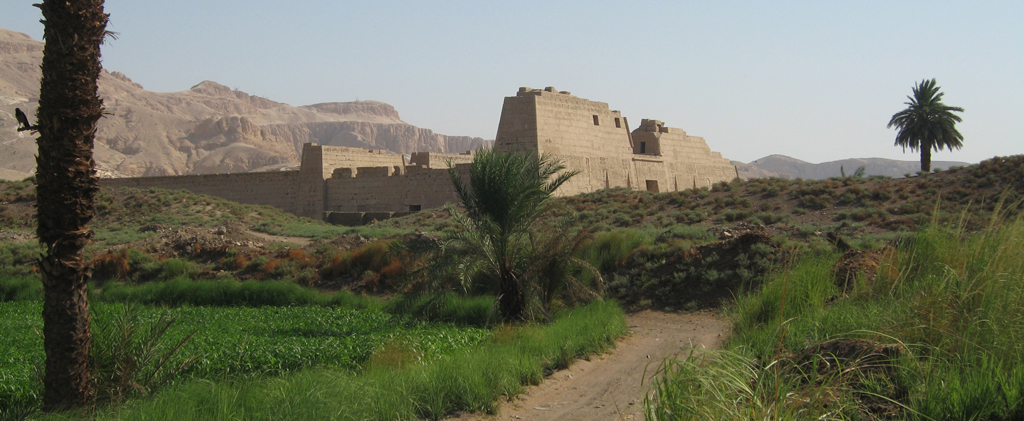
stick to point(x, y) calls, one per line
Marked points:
point(927, 123)
point(69, 109)
point(505, 195)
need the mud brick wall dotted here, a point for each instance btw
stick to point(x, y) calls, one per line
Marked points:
point(277, 189)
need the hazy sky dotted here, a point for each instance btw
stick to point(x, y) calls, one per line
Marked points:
point(815, 80)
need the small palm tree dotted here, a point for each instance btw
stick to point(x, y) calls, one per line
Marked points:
point(505, 196)
point(927, 123)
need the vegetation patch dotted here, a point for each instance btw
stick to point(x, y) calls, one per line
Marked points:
point(931, 334)
point(459, 378)
point(700, 277)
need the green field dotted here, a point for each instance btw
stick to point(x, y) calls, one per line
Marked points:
point(240, 341)
point(242, 352)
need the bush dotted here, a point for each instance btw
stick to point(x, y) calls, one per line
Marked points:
point(736, 215)
point(607, 251)
point(19, 257)
point(13, 288)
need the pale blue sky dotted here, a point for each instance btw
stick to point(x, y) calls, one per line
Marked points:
point(815, 80)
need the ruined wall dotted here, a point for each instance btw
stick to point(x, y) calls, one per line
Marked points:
point(277, 189)
point(319, 163)
point(330, 179)
point(688, 161)
point(389, 189)
point(343, 157)
point(440, 160)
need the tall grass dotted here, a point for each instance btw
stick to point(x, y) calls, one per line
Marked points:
point(953, 303)
point(183, 291)
point(607, 250)
point(446, 307)
point(470, 380)
point(20, 288)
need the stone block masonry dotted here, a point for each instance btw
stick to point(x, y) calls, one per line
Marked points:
point(413, 189)
point(277, 189)
point(330, 179)
point(589, 137)
point(352, 185)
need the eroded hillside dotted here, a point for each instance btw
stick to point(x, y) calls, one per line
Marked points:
point(209, 128)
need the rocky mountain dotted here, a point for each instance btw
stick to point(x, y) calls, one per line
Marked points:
point(209, 128)
point(787, 167)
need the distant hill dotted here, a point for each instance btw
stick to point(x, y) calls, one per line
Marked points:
point(786, 167)
point(206, 129)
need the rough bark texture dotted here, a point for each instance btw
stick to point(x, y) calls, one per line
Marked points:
point(511, 301)
point(69, 109)
point(926, 158)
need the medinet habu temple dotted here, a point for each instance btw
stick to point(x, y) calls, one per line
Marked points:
point(352, 185)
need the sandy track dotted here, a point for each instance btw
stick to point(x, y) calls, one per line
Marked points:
point(608, 387)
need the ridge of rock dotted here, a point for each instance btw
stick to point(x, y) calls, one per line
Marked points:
point(208, 128)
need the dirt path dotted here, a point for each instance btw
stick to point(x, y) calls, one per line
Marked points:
point(299, 241)
point(608, 387)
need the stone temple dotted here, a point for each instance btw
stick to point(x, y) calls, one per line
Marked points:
point(353, 186)
point(595, 140)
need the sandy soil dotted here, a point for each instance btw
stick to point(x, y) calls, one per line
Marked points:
point(611, 386)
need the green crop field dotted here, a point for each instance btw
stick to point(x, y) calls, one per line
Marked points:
point(240, 341)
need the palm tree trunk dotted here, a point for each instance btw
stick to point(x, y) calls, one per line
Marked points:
point(69, 109)
point(926, 159)
point(511, 300)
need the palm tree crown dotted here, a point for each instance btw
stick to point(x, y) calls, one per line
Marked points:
point(927, 123)
point(505, 195)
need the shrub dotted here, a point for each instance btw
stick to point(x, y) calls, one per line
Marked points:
point(371, 257)
point(130, 356)
point(18, 256)
point(16, 288)
point(174, 267)
point(815, 202)
point(607, 251)
point(735, 215)
point(768, 218)
point(109, 266)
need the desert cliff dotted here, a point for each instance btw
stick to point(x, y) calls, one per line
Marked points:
point(209, 128)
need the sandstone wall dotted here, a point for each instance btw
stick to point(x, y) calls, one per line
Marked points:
point(594, 140)
point(386, 189)
point(341, 157)
point(440, 160)
point(277, 189)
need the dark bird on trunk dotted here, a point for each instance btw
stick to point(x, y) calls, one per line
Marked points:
point(22, 120)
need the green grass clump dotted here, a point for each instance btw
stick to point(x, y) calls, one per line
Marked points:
point(21, 355)
point(181, 291)
point(607, 250)
point(20, 288)
point(446, 307)
point(18, 257)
